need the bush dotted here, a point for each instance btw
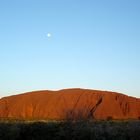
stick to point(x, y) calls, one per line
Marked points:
point(109, 118)
point(81, 114)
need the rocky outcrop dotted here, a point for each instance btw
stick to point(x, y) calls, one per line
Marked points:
point(70, 103)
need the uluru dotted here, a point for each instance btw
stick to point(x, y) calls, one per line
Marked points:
point(62, 104)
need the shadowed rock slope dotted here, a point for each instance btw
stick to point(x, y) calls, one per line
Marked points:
point(69, 104)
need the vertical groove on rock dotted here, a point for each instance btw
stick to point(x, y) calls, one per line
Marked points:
point(94, 108)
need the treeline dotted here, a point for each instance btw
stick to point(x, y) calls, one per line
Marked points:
point(70, 130)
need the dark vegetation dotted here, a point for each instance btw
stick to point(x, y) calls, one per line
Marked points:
point(70, 130)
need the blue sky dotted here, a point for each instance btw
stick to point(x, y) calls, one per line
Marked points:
point(94, 44)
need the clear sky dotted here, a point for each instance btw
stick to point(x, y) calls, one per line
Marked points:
point(92, 44)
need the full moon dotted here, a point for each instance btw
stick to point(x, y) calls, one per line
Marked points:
point(49, 35)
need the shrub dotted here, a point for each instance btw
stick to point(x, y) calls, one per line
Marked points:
point(109, 118)
point(77, 114)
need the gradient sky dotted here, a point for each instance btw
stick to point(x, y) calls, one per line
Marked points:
point(94, 44)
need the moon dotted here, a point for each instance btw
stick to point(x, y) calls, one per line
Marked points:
point(49, 35)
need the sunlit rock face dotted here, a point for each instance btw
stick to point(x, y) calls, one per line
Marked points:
point(70, 104)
